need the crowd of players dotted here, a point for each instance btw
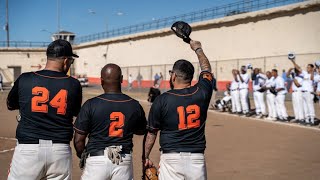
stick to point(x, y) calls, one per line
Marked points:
point(305, 88)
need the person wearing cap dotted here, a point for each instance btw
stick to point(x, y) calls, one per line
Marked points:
point(297, 99)
point(317, 80)
point(258, 81)
point(235, 96)
point(47, 101)
point(271, 97)
point(307, 92)
point(243, 79)
point(280, 97)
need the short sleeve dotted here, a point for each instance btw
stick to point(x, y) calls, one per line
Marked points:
point(280, 83)
point(206, 81)
point(13, 96)
point(142, 121)
point(245, 78)
point(78, 99)
point(82, 122)
point(155, 115)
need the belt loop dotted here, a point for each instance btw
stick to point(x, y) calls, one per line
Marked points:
point(45, 143)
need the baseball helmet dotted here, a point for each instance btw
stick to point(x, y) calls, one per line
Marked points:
point(291, 56)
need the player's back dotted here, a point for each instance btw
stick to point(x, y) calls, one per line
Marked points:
point(48, 100)
point(180, 115)
point(110, 120)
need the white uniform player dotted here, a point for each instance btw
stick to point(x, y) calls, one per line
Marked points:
point(271, 98)
point(297, 100)
point(243, 80)
point(307, 94)
point(258, 96)
point(280, 98)
point(235, 96)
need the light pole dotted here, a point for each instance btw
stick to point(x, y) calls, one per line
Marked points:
point(7, 22)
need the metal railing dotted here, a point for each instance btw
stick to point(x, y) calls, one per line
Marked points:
point(196, 16)
point(28, 44)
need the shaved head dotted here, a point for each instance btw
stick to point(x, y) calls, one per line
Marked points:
point(111, 77)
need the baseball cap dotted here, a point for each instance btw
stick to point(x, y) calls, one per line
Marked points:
point(291, 56)
point(60, 48)
point(317, 63)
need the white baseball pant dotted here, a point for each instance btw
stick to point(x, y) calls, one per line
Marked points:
point(181, 166)
point(41, 161)
point(244, 94)
point(308, 106)
point(271, 101)
point(235, 98)
point(297, 103)
point(259, 102)
point(101, 167)
point(280, 106)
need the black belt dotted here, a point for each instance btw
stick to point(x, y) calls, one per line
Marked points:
point(101, 153)
point(37, 141)
point(170, 151)
point(234, 89)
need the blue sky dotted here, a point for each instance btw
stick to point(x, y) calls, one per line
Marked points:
point(27, 18)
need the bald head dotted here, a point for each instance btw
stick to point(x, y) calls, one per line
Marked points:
point(111, 77)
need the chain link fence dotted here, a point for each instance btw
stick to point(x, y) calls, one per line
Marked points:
point(144, 76)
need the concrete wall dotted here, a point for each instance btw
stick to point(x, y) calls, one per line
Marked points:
point(262, 38)
point(272, 32)
point(28, 59)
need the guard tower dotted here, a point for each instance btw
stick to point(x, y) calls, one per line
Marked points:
point(65, 35)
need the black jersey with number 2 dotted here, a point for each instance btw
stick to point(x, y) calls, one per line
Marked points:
point(180, 115)
point(110, 119)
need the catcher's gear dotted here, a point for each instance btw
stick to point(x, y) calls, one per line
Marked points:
point(291, 56)
point(182, 30)
point(150, 173)
point(83, 159)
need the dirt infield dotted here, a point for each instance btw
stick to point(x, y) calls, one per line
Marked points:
point(237, 147)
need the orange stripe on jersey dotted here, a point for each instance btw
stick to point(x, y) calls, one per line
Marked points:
point(114, 100)
point(184, 94)
point(78, 130)
point(51, 76)
point(207, 75)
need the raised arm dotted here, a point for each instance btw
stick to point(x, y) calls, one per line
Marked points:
point(297, 66)
point(289, 72)
point(203, 60)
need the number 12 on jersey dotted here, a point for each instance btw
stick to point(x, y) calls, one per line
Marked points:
point(193, 114)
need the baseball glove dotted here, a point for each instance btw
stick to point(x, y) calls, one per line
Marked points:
point(83, 159)
point(150, 174)
point(273, 91)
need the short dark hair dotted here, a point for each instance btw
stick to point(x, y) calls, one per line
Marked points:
point(274, 70)
point(312, 66)
point(184, 69)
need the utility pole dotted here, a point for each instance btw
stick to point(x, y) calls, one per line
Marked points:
point(7, 23)
point(58, 15)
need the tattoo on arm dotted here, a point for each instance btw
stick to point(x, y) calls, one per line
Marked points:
point(203, 60)
point(149, 139)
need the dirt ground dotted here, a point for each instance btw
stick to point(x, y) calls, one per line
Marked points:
point(237, 147)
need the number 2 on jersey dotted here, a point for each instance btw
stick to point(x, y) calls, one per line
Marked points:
point(116, 124)
point(38, 102)
point(193, 120)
